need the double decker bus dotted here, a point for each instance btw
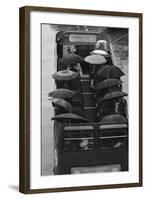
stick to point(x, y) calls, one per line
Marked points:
point(96, 145)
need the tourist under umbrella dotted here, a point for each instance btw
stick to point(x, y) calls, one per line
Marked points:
point(62, 103)
point(71, 59)
point(65, 75)
point(113, 118)
point(62, 93)
point(95, 61)
point(113, 95)
point(102, 44)
point(69, 117)
point(67, 79)
point(110, 71)
point(107, 83)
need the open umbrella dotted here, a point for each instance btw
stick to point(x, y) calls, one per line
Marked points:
point(62, 103)
point(65, 75)
point(107, 83)
point(62, 93)
point(71, 117)
point(110, 71)
point(113, 95)
point(71, 59)
point(114, 118)
point(100, 52)
point(95, 59)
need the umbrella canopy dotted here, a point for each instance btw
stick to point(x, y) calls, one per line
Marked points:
point(69, 116)
point(100, 52)
point(110, 71)
point(62, 93)
point(108, 83)
point(71, 59)
point(113, 95)
point(95, 59)
point(63, 103)
point(114, 118)
point(65, 75)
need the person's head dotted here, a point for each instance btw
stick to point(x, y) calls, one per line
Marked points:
point(72, 65)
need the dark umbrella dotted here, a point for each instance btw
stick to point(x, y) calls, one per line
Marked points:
point(95, 59)
point(71, 59)
point(65, 75)
point(108, 83)
point(114, 118)
point(71, 117)
point(62, 103)
point(113, 95)
point(62, 93)
point(110, 71)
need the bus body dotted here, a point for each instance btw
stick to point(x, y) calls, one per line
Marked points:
point(94, 146)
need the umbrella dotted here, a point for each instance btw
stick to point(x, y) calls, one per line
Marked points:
point(69, 116)
point(108, 83)
point(100, 52)
point(62, 93)
point(63, 103)
point(113, 95)
point(71, 59)
point(114, 118)
point(95, 59)
point(110, 71)
point(65, 75)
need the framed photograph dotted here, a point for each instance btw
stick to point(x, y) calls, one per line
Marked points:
point(80, 99)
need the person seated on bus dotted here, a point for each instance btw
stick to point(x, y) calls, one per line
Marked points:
point(113, 89)
point(62, 84)
point(75, 84)
point(117, 105)
point(105, 108)
point(83, 51)
point(95, 78)
point(58, 109)
point(75, 67)
point(84, 144)
point(121, 106)
point(102, 45)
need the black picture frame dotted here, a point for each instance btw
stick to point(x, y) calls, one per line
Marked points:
point(24, 142)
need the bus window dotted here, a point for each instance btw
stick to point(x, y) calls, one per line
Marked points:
point(82, 38)
point(113, 136)
point(78, 138)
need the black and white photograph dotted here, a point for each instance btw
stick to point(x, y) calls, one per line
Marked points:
point(80, 99)
point(84, 99)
